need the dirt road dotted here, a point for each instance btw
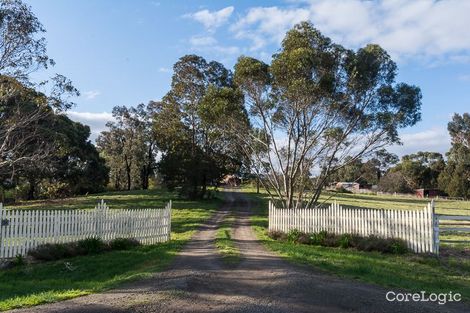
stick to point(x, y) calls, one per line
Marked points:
point(198, 281)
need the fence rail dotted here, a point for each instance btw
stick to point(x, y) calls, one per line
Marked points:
point(458, 223)
point(416, 227)
point(23, 230)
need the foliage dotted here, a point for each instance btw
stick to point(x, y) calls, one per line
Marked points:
point(129, 147)
point(421, 169)
point(57, 251)
point(196, 154)
point(326, 239)
point(317, 107)
point(23, 50)
point(92, 245)
point(455, 178)
point(18, 260)
point(123, 243)
point(394, 182)
point(368, 172)
point(42, 148)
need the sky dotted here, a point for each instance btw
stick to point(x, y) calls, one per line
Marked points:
point(121, 52)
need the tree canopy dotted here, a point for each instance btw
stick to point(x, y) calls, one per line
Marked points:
point(319, 107)
point(455, 178)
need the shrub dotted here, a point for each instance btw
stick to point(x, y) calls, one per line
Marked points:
point(18, 260)
point(277, 235)
point(385, 245)
point(303, 238)
point(50, 252)
point(123, 243)
point(331, 240)
point(293, 235)
point(91, 245)
point(323, 238)
point(398, 246)
point(318, 238)
point(346, 241)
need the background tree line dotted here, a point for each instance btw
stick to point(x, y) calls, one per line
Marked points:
point(429, 170)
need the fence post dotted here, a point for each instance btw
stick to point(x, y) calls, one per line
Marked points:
point(1, 229)
point(269, 215)
point(169, 219)
point(435, 228)
point(99, 218)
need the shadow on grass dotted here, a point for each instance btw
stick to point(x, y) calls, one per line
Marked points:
point(86, 274)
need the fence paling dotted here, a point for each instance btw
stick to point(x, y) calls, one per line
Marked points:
point(23, 230)
point(416, 227)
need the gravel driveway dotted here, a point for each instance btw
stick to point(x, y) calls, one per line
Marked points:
point(198, 281)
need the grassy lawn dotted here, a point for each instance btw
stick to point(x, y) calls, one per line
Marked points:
point(410, 272)
point(224, 242)
point(52, 281)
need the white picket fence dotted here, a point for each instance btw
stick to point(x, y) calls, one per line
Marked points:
point(22, 230)
point(419, 228)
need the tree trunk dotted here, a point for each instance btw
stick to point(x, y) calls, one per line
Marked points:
point(204, 186)
point(31, 189)
point(257, 184)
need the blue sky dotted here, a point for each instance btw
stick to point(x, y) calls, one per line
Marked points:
point(120, 52)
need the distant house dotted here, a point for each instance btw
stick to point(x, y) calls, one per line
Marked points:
point(231, 180)
point(351, 186)
point(427, 193)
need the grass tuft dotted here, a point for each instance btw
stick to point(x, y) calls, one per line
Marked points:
point(225, 243)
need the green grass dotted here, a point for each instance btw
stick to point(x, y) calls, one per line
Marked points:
point(410, 272)
point(224, 242)
point(53, 281)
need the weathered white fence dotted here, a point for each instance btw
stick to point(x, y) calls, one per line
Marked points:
point(458, 224)
point(22, 230)
point(416, 227)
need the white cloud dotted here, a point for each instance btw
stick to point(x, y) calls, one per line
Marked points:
point(91, 94)
point(212, 20)
point(210, 44)
point(164, 70)
point(434, 139)
point(263, 25)
point(465, 77)
point(428, 28)
point(202, 40)
point(96, 121)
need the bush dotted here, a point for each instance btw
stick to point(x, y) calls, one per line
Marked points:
point(331, 240)
point(51, 252)
point(91, 245)
point(293, 235)
point(277, 235)
point(344, 241)
point(18, 260)
point(318, 238)
point(123, 243)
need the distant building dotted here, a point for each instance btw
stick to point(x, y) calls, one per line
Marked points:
point(231, 180)
point(351, 186)
point(427, 193)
